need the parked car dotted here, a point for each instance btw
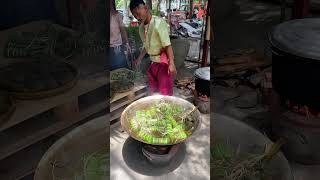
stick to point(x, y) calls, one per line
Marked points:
point(187, 30)
point(197, 24)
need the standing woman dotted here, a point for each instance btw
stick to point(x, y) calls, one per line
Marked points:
point(118, 40)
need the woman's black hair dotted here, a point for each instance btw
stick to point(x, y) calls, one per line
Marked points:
point(135, 3)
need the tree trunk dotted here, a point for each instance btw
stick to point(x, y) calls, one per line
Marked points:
point(206, 39)
point(149, 3)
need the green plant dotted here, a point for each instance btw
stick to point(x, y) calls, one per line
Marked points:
point(156, 11)
point(134, 40)
point(119, 3)
point(133, 32)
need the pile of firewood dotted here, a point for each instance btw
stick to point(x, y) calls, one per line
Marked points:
point(185, 84)
point(241, 67)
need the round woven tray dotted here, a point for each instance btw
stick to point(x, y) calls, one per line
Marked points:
point(81, 142)
point(51, 92)
point(121, 74)
point(122, 89)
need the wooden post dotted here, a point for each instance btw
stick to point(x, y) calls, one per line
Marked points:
point(206, 40)
point(68, 111)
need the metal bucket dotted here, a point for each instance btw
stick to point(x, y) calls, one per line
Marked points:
point(146, 102)
point(82, 141)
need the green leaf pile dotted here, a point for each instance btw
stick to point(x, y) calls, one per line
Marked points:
point(160, 123)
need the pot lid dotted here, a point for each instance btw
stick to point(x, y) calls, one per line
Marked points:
point(299, 37)
point(203, 73)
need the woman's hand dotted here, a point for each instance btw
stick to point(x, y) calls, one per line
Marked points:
point(128, 49)
point(172, 69)
point(136, 62)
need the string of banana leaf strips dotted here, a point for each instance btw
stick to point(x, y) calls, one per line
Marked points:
point(94, 166)
point(162, 123)
point(226, 165)
point(54, 42)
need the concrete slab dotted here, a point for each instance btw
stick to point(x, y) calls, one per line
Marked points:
point(192, 162)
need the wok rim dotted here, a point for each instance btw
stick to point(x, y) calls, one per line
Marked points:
point(154, 97)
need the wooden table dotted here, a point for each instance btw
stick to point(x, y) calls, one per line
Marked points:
point(121, 100)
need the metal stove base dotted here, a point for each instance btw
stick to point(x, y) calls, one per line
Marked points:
point(160, 159)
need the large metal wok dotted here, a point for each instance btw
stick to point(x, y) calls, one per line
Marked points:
point(142, 103)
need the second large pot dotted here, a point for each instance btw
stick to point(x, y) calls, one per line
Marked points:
point(296, 61)
point(202, 81)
